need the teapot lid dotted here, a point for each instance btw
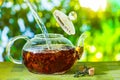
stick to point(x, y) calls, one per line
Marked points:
point(64, 22)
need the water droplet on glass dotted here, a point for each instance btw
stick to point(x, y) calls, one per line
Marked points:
point(72, 15)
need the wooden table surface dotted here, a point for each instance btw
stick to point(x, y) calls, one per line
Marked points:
point(103, 71)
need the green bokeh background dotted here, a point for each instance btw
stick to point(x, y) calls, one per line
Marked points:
point(103, 27)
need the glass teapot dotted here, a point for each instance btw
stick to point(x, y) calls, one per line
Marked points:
point(38, 58)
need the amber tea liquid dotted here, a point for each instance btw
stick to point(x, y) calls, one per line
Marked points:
point(49, 61)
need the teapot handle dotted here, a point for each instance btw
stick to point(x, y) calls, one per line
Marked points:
point(9, 46)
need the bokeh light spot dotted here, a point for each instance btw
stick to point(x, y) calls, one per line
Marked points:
point(72, 15)
point(92, 49)
point(99, 55)
point(117, 57)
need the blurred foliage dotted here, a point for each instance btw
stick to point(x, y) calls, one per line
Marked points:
point(103, 44)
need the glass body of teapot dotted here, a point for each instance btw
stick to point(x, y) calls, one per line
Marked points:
point(52, 55)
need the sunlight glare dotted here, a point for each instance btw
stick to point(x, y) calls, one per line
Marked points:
point(95, 5)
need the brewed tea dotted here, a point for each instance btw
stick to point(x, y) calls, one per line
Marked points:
point(50, 61)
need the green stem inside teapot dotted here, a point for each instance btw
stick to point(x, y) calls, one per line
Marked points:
point(40, 23)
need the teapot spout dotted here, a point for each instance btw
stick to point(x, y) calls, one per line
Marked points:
point(81, 39)
point(80, 44)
